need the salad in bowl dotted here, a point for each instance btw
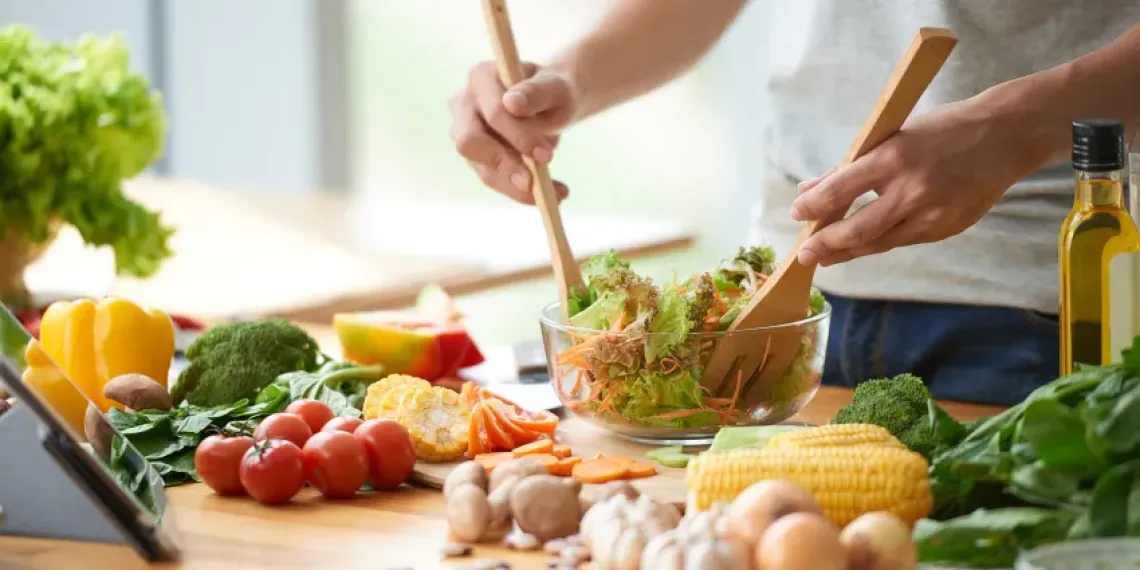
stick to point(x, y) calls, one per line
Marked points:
point(630, 358)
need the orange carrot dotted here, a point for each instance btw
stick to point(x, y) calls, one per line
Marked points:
point(639, 469)
point(602, 470)
point(540, 446)
point(624, 460)
point(561, 451)
point(544, 459)
point(475, 433)
point(490, 461)
point(565, 466)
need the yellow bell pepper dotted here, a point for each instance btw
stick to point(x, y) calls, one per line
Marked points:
point(47, 380)
point(95, 342)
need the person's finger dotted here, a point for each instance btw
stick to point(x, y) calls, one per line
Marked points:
point(813, 182)
point(525, 136)
point(859, 230)
point(831, 198)
point(542, 93)
point(496, 164)
point(906, 232)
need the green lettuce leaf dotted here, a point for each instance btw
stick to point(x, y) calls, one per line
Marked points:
point(599, 315)
point(669, 327)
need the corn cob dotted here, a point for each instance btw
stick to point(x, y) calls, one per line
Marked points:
point(846, 481)
point(836, 435)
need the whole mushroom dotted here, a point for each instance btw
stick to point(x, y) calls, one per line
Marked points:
point(137, 392)
point(546, 506)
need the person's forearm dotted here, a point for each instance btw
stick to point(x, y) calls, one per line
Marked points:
point(640, 45)
point(1102, 84)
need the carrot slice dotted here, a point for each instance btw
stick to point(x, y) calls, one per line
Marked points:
point(561, 451)
point(622, 459)
point(565, 466)
point(602, 470)
point(639, 469)
point(544, 459)
point(498, 435)
point(490, 461)
point(539, 446)
point(508, 421)
point(475, 433)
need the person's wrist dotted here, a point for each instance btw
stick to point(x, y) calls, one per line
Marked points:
point(1031, 111)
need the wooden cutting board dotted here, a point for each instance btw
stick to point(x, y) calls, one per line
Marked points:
point(668, 486)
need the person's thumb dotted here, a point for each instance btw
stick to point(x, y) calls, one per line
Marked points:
point(539, 94)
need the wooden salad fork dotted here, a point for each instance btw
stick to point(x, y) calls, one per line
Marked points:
point(567, 275)
point(763, 356)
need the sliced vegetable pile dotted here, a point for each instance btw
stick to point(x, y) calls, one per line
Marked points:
point(638, 356)
point(560, 460)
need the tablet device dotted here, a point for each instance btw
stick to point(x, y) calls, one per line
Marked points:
point(115, 477)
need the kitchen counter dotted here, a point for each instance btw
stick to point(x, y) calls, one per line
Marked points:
point(398, 529)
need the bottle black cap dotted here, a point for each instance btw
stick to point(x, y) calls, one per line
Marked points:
point(1098, 145)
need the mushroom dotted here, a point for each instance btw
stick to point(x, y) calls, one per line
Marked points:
point(546, 506)
point(471, 472)
point(137, 392)
point(468, 513)
point(521, 467)
point(879, 541)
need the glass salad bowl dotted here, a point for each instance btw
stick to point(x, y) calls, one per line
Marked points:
point(646, 386)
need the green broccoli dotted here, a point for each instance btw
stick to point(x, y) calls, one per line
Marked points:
point(904, 406)
point(234, 361)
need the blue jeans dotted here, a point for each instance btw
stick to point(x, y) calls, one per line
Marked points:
point(989, 355)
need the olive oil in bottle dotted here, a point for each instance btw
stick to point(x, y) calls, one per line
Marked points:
point(1097, 229)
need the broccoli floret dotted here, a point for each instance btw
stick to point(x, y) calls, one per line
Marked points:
point(903, 406)
point(236, 360)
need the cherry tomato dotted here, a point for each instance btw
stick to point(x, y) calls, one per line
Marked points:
point(314, 412)
point(391, 454)
point(343, 423)
point(289, 427)
point(273, 471)
point(336, 464)
point(218, 460)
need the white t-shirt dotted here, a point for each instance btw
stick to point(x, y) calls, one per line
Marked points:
point(828, 61)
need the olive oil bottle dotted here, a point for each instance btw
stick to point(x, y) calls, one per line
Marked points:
point(1097, 229)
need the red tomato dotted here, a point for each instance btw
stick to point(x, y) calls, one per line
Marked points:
point(336, 464)
point(391, 454)
point(273, 471)
point(289, 427)
point(314, 412)
point(343, 423)
point(218, 460)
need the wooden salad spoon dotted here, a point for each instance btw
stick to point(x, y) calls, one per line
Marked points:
point(760, 358)
point(567, 275)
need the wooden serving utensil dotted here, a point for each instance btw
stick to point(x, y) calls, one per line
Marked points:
point(764, 356)
point(567, 275)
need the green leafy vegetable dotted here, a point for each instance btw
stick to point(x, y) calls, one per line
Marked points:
point(1065, 463)
point(752, 437)
point(644, 365)
point(234, 361)
point(75, 121)
point(341, 390)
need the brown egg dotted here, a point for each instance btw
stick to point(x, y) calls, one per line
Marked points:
point(801, 541)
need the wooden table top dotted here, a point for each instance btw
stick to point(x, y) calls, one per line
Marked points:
point(303, 258)
point(399, 529)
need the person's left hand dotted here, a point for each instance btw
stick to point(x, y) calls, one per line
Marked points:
point(934, 179)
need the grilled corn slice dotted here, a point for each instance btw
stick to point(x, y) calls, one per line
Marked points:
point(846, 481)
point(383, 397)
point(436, 421)
point(834, 435)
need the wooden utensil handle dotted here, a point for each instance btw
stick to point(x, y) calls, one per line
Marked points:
point(909, 80)
point(566, 270)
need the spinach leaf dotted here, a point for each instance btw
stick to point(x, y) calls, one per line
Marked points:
point(1057, 435)
point(1115, 506)
point(989, 538)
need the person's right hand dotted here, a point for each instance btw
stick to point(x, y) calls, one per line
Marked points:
point(493, 127)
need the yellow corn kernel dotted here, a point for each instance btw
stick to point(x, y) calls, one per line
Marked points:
point(846, 481)
point(836, 435)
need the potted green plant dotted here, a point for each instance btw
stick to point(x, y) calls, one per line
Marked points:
point(75, 122)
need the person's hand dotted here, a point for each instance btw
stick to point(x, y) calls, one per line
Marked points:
point(934, 179)
point(493, 128)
